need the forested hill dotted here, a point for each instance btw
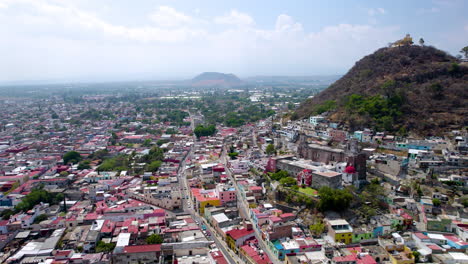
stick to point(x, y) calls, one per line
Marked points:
point(409, 88)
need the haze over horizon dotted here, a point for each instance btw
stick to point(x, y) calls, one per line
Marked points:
point(86, 40)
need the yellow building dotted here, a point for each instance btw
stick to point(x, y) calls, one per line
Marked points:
point(204, 198)
point(403, 257)
point(340, 231)
point(398, 252)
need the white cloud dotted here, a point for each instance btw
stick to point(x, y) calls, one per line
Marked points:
point(287, 23)
point(53, 37)
point(376, 11)
point(235, 18)
point(431, 10)
point(166, 16)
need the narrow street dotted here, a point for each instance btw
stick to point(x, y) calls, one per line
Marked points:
point(244, 207)
point(189, 207)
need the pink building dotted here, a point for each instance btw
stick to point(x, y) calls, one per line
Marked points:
point(226, 194)
point(304, 177)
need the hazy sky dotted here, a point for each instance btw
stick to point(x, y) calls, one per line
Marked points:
point(153, 39)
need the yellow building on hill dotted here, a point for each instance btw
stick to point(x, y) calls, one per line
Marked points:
point(340, 230)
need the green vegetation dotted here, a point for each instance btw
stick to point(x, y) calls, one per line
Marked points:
point(154, 165)
point(155, 153)
point(153, 161)
point(104, 247)
point(171, 131)
point(175, 117)
point(318, 228)
point(297, 198)
point(35, 197)
point(40, 218)
point(232, 110)
point(464, 201)
point(288, 181)
point(71, 157)
point(334, 199)
point(308, 191)
point(146, 143)
point(84, 165)
point(117, 163)
point(279, 175)
point(154, 239)
point(94, 114)
point(328, 105)
point(202, 131)
point(464, 51)
point(371, 199)
point(384, 112)
point(233, 155)
point(100, 154)
point(160, 142)
point(417, 256)
point(270, 149)
point(436, 202)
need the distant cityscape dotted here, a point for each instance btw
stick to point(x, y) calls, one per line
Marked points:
point(158, 173)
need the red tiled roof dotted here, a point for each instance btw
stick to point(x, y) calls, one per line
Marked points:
point(142, 248)
point(62, 253)
point(421, 235)
point(239, 233)
point(366, 259)
point(287, 215)
point(218, 257)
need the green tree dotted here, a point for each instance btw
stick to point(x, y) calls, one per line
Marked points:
point(146, 143)
point(464, 201)
point(40, 218)
point(84, 165)
point(154, 239)
point(288, 181)
point(417, 256)
point(7, 213)
point(279, 175)
point(464, 51)
point(202, 131)
point(154, 165)
point(328, 105)
point(171, 131)
point(233, 155)
point(71, 157)
point(161, 141)
point(270, 149)
point(318, 228)
point(104, 247)
point(334, 199)
point(436, 202)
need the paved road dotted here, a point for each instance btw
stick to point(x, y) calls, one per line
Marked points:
point(188, 207)
point(244, 208)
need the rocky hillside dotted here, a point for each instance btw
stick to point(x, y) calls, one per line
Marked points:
point(401, 89)
point(216, 79)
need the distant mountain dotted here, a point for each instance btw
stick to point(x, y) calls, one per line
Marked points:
point(309, 80)
point(216, 79)
point(407, 88)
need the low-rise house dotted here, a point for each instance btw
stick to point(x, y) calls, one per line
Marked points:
point(340, 231)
